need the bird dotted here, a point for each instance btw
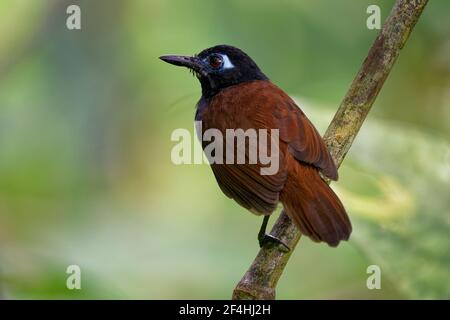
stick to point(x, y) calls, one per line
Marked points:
point(236, 94)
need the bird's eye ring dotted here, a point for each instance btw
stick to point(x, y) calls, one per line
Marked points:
point(215, 61)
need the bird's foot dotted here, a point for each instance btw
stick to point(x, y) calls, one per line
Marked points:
point(272, 241)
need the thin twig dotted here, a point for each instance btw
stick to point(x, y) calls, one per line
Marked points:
point(260, 281)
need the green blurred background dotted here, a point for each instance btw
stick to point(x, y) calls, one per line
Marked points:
point(85, 170)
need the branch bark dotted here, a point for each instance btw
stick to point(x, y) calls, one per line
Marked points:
point(260, 281)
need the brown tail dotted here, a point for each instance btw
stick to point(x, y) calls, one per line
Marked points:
point(314, 207)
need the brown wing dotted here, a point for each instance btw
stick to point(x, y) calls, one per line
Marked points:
point(302, 138)
point(245, 184)
point(273, 108)
point(262, 105)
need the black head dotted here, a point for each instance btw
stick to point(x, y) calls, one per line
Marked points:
point(219, 67)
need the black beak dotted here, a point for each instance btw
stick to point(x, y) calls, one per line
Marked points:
point(193, 63)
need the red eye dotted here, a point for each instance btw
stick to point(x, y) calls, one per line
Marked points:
point(215, 61)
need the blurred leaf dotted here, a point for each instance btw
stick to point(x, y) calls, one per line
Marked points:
point(396, 181)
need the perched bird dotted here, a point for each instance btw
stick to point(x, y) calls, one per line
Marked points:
point(237, 95)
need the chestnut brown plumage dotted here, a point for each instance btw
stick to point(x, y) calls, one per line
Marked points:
point(240, 96)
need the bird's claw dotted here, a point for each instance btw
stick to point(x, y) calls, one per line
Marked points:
point(273, 241)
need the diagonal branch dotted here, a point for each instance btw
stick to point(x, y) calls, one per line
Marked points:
point(260, 281)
